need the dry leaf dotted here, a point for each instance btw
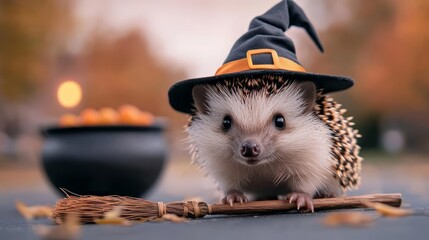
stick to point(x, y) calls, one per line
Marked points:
point(113, 217)
point(69, 230)
point(114, 221)
point(149, 219)
point(174, 218)
point(166, 217)
point(388, 211)
point(347, 218)
point(31, 212)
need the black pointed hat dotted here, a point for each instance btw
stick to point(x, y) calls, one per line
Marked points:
point(263, 50)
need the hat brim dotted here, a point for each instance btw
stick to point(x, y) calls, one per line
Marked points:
point(180, 94)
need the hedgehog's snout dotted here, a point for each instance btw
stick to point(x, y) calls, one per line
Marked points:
point(250, 149)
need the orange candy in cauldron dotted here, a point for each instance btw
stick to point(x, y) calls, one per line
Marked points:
point(125, 115)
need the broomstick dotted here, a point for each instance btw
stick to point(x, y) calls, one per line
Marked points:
point(90, 208)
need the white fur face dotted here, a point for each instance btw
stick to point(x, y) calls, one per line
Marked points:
point(300, 151)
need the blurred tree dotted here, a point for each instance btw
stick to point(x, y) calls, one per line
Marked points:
point(383, 45)
point(31, 34)
point(396, 72)
point(124, 70)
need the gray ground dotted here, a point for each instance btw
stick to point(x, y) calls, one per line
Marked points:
point(181, 181)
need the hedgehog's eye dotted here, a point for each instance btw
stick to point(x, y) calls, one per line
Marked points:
point(279, 121)
point(226, 122)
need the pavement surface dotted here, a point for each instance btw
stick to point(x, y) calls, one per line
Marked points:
point(181, 181)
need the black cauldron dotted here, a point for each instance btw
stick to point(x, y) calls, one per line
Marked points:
point(104, 160)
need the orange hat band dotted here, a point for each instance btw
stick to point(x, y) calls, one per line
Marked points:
point(247, 63)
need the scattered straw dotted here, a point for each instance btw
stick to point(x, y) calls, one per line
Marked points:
point(166, 217)
point(113, 217)
point(31, 212)
point(67, 230)
point(174, 218)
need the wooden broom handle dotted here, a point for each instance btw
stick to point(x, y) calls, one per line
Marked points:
point(393, 199)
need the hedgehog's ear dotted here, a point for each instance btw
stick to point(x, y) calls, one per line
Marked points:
point(199, 93)
point(308, 95)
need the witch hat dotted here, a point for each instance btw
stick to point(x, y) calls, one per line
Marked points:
point(263, 50)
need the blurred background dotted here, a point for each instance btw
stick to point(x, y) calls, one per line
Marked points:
point(130, 52)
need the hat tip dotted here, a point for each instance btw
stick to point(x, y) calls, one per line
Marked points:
point(321, 49)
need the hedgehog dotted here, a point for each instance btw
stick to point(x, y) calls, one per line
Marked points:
point(273, 138)
point(263, 127)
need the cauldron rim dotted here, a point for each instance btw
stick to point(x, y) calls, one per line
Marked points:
point(55, 129)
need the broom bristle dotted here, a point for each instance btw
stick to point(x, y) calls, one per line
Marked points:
point(89, 208)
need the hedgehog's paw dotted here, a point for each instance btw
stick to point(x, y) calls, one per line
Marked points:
point(303, 201)
point(232, 197)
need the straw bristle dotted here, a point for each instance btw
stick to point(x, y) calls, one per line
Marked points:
point(90, 208)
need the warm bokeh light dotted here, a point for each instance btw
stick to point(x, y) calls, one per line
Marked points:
point(69, 94)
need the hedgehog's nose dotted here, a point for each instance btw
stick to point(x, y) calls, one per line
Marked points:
point(250, 149)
